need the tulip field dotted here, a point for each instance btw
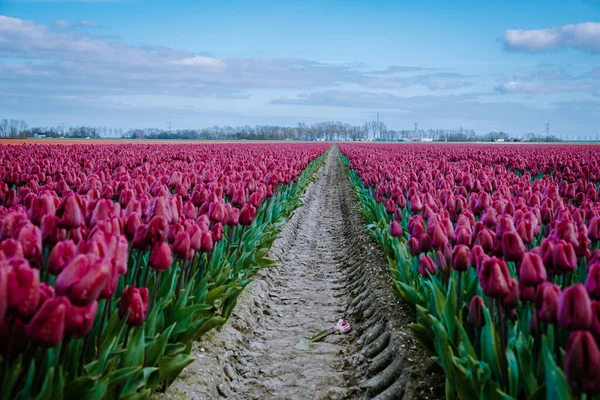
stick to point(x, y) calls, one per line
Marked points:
point(498, 250)
point(114, 258)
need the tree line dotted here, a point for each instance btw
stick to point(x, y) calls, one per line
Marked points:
point(327, 131)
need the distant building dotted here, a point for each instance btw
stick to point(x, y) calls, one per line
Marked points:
point(38, 136)
point(499, 140)
point(426, 139)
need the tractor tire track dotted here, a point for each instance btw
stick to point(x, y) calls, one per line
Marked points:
point(328, 267)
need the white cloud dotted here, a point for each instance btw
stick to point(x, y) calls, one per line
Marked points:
point(201, 61)
point(583, 36)
point(541, 88)
point(62, 24)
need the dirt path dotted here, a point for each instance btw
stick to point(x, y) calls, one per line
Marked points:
point(328, 268)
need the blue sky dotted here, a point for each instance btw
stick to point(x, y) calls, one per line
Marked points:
point(509, 65)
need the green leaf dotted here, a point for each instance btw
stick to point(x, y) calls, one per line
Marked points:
point(556, 382)
point(134, 354)
point(421, 335)
point(490, 344)
point(156, 349)
point(513, 373)
point(170, 367)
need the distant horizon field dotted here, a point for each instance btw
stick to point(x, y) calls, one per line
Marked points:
point(74, 141)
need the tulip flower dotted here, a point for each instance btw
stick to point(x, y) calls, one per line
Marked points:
point(69, 212)
point(247, 215)
point(161, 257)
point(46, 292)
point(239, 198)
point(512, 246)
point(595, 326)
point(494, 278)
point(47, 327)
point(60, 256)
point(476, 317)
point(83, 279)
point(4, 276)
point(181, 245)
point(156, 230)
point(574, 310)
point(438, 239)
point(546, 302)
point(80, 320)
point(511, 300)
point(395, 229)
point(563, 256)
point(134, 302)
point(593, 230)
point(390, 206)
point(413, 246)
point(23, 286)
point(532, 271)
point(461, 258)
point(582, 363)
point(217, 232)
point(426, 266)
point(592, 282)
point(11, 248)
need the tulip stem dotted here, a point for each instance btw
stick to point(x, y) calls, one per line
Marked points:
point(180, 278)
point(156, 287)
point(237, 255)
point(6, 361)
point(459, 294)
point(136, 267)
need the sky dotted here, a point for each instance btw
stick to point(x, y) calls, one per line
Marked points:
point(508, 65)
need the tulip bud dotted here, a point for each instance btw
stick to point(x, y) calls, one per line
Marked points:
point(426, 266)
point(574, 310)
point(135, 302)
point(47, 327)
point(132, 224)
point(424, 243)
point(4, 275)
point(11, 248)
point(546, 302)
point(439, 237)
point(23, 286)
point(476, 256)
point(511, 300)
point(206, 242)
point(494, 278)
point(476, 317)
point(395, 229)
point(593, 230)
point(595, 326)
point(413, 246)
point(80, 320)
point(217, 232)
point(51, 233)
point(69, 212)
point(460, 258)
point(83, 279)
point(161, 257)
point(60, 256)
point(512, 247)
point(592, 282)
point(582, 363)
point(181, 245)
point(532, 271)
point(563, 256)
point(216, 211)
point(247, 215)
point(239, 198)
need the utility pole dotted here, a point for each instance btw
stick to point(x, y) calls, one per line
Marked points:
point(415, 134)
point(169, 125)
point(378, 133)
point(547, 129)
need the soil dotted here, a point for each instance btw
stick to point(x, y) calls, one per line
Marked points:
point(328, 268)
